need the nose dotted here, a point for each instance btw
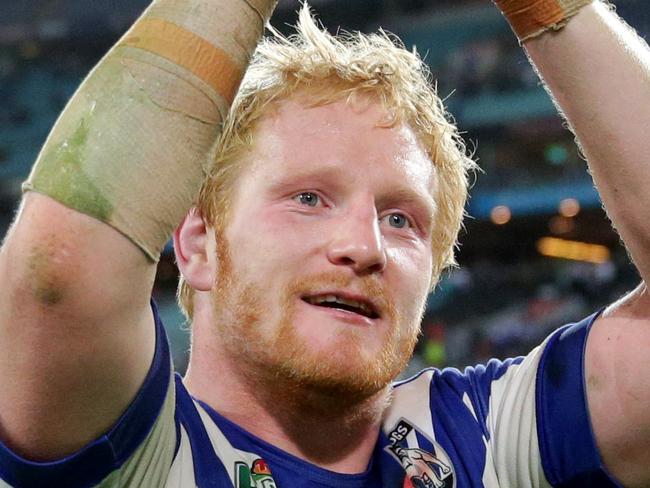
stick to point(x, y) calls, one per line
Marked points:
point(357, 241)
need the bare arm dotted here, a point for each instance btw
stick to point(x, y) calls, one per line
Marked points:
point(598, 71)
point(76, 340)
point(118, 172)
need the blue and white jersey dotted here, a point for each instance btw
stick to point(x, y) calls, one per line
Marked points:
point(518, 423)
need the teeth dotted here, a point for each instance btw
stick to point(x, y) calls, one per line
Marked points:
point(336, 299)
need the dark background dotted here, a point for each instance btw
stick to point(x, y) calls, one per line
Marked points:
point(506, 296)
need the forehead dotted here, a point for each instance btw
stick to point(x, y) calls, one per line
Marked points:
point(348, 139)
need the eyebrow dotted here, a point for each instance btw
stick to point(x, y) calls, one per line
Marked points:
point(328, 174)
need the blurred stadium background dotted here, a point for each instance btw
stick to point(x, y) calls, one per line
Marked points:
point(537, 251)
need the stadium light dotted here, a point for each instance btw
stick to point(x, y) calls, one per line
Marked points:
point(500, 215)
point(569, 207)
point(574, 250)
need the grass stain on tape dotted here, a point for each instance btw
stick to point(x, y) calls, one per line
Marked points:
point(60, 174)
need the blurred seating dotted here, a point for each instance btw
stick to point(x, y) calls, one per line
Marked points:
point(488, 308)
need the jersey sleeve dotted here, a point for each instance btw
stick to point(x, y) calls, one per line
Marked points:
point(137, 451)
point(536, 415)
point(566, 440)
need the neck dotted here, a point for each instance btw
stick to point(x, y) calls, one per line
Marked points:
point(319, 427)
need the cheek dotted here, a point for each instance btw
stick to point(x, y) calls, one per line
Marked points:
point(411, 271)
point(409, 281)
point(269, 249)
point(289, 235)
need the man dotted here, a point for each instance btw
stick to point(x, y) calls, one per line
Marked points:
point(333, 204)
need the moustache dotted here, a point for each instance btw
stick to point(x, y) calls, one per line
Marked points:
point(368, 286)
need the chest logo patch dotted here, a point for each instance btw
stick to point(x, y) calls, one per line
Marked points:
point(423, 469)
point(257, 475)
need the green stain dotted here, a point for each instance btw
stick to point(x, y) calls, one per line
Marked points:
point(61, 174)
point(45, 284)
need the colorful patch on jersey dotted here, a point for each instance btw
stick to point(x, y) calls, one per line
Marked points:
point(257, 475)
point(423, 469)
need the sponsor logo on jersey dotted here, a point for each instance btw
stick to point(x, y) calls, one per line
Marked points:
point(423, 469)
point(257, 475)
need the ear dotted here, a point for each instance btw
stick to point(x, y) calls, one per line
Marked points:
point(192, 248)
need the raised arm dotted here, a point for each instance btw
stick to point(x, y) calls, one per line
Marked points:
point(598, 71)
point(116, 175)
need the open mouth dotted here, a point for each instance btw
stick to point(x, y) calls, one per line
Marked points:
point(361, 307)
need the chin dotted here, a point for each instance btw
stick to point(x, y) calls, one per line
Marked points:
point(345, 368)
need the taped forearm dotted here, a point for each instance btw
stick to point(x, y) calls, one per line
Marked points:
point(130, 148)
point(531, 18)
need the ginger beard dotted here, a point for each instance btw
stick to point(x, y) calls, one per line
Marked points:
point(276, 354)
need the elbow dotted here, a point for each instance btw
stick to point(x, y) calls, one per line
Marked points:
point(42, 275)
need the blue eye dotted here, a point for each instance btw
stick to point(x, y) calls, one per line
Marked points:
point(398, 220)
point(307, 198)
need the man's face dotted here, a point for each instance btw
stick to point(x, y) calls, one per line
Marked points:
point(324, 263)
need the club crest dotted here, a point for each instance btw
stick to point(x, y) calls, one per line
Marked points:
point(423, 469)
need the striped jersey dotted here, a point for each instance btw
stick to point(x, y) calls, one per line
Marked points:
point(517, 423)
